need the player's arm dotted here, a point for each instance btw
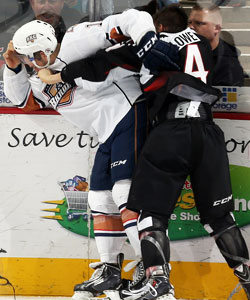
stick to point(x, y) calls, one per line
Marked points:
point(11, 59)
point(48, 77)
point(131, 23)
point(92, 69)
point(16, 85)
point(95, 68)
point(155, 54)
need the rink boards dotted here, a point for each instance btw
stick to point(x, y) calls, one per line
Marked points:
point(48, 247)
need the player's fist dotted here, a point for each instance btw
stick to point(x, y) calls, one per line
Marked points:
point(162, 57)
point(157, 55)
point(10, 57)
point(46, 76)
point(146, 43)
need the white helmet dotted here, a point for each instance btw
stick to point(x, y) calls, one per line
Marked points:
point(33, 37)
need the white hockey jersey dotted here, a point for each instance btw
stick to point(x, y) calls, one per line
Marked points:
point(95, 108)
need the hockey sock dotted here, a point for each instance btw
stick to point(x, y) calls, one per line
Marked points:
point(109, 232)
point(109, 236)
point(120, 193)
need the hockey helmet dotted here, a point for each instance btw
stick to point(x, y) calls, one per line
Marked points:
point(33, 37)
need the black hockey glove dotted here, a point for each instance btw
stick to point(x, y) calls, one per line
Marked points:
point(156, 54)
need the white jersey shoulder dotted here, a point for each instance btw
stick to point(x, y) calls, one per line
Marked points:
point(82, 40)
point(180, 39)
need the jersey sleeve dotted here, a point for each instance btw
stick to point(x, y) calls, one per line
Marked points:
point(97, 67)
point(132, 23)
point(18, 90)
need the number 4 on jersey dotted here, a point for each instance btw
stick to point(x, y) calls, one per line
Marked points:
point(194, 64)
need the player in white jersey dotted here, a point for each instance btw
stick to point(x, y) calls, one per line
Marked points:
point(106, 110)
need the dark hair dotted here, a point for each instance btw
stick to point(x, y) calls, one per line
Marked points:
point(151, 7)
point(172, 17)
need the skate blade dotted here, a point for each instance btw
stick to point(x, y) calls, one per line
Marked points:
point(133, 296)
point(82, 296)
point(112, 295)
point(166, 297)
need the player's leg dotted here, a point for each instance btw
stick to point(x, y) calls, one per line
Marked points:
point(232, 246)
point(127, 140)
point(108, 228)
point(112, 170)
point(109, 232)
point(156, 186)
point(129, 218)
point(212, 189)
point(156, 254)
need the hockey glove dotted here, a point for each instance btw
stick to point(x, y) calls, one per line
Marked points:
point(156, 54)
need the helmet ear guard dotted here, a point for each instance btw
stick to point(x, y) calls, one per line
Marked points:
point(33, 37)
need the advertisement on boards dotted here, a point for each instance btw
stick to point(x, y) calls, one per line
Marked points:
point(234, 99)
point(45, 221)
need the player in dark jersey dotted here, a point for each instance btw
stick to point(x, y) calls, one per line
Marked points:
point(184, 142)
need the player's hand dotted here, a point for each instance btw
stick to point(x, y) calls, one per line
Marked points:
point(46, 76)
point(157, 55)
point(162, 57)
point(10, 57)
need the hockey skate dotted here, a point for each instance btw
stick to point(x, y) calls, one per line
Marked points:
point(243, 273)
point(135, 286)
point(157, 286)
point(106, 280)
